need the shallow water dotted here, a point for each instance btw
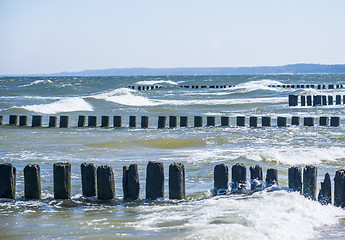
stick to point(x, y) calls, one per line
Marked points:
point(270, 214)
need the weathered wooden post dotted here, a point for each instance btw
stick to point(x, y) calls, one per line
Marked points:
point(36, 121)
point(239, 177)
point(154, 180)
point(172, 121)
point(339, 188)
point(105, 183)
point(130, 182)
point(52, 122)
point(92, 121)
point(32, 181)
point(293, 100)
point(62, 180)
point(221, 179)
point(224, 121)
point(132, 122)
point(183, 121)
point(240, 121)
point(210, 121)
point(144, 121)
point(295, 121)
point(1, 119)
point(23, 120)
point(335, 121)
point(117, 121)
point(325, 194)
point(266, 121)
point(309, 101)
point(323, 121)
point(295, 179)
point(253, 122)
point(197, 121)
point(331, 86)
point(88, 179)
point(338, 99)
point(161, 122)
point(7, 181)
point(272, 177)
point(177, 188)
point(303, 100)
point(330, 100)
point(81, 121)
point(256, 177)
point(13, 120)
point(324, 100)
point(105, 121)
point(64, 121)
point(308, 121)
point(316, 100)
point(310, 182)
point(281, 121)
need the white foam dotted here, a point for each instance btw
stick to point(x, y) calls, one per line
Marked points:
point(36, 82)
point(257, 85)
point(155, 82)
point(65, 105)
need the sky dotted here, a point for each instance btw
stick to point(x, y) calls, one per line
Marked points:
point(49, 36)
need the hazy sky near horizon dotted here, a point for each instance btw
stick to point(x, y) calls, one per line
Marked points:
point(48, 36)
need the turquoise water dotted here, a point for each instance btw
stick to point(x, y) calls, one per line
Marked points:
point(268, 214)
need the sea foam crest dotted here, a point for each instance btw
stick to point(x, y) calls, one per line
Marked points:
point(36, 82)
point(257, 85)
point(65, 105)
point(153, 82)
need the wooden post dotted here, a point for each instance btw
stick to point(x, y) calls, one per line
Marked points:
point(81, 121)
point(32, 182)
point(303, 100)
point(272, 177)
point(324, 100)
point(339, 188)
point(105, 183)
point(177, 188)
point(281, 121)
point(92, 121)
point(211, 121)
point(117, 121)
point(239, 177)
point(88, 179)
point(183, 121)
point(23, 120)
point(266, 121)
point(330, 100)
point(255, 177)
point(64, 121)
point(154, 180)
point(52, 122)
point(172, 121)
point(253, 122)
point(1, 119)
point(240, 121)
point(7, 181)
point(132, 122)
point(325, 194)
point(295, 179)
point(144, 121)
point(309, 121)
point(309, 102)
point(310, 182)
point(221, 179)
point(13, 119)
point(224, 121)
point(197, 121)
point(105, 121)
point(323, 121)
point(36, 121)
point(335, 121)
point(62, 180)
point(295, 121)
point(161, 122)
point(293, 100)
point(130, 182)
point(338, 99)
point(316, 100)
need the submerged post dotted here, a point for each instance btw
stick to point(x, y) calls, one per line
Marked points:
point(64, 121)
point(177, 188)
point(309, 121)
point(130, 182)
point(161, 122)
point(325, 194)
point(144, 121)
point(295, 121)
point(36, 121)
point(117, 121)
point(281, 121)
point(339, 188)
point(240, 121)
point(62, 180)
point(221, 179)
point(239, 177)
point(92, 121)
point(7, 181)
point(295, 179)
point(293, 100)
point(172, 121)
point(105, 121)
point(211, 121)
point(224, 121)
point(253, 122)
point(335, 121)
point(81, 121)
point(154, 180)
point(1, 119)
point(266, 121)
point(52, 122)
point(323, 121)
point(105, 183)
point(32, 182)
point(88, 179)
point(310, 182)
point(132, 122)
point(183, 121)
point(13, 120)
point(197, 121)
point(23, 120)
point(272, 177)
point(255, 177)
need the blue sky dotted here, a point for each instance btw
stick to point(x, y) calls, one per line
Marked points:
point(47, 36)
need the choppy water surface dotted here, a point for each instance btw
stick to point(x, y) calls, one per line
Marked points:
point(270, 214)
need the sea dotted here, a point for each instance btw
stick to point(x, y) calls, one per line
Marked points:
point(273, 213)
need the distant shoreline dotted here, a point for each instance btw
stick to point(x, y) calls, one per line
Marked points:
point(301, 68)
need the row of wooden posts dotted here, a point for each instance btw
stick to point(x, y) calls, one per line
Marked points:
point(301, 86)
point(99, 181)
point(172, 123)
point(144, 88)
point(315, 100)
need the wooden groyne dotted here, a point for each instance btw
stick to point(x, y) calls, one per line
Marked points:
point(316, 100)
point(304, 86)
point(98, 181)
point(172, 122)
